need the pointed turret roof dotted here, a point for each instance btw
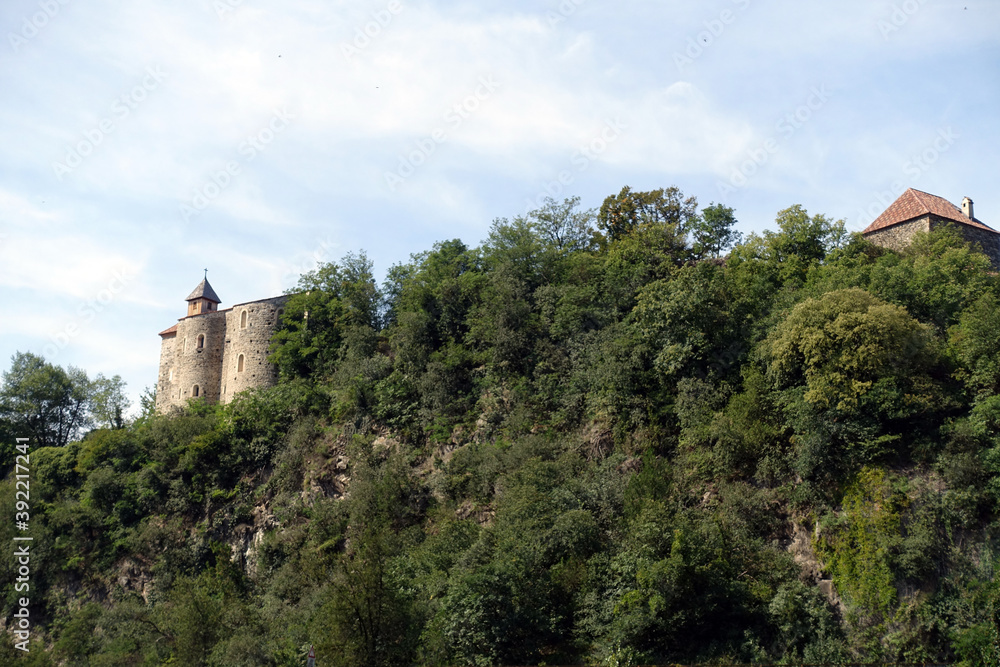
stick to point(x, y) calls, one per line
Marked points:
point(914, 204)
point(204, 291)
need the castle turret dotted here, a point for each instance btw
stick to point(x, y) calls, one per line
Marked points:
point(191, 352)
point(203, 299)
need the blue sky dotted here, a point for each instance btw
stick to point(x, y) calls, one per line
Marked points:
point(144, 142)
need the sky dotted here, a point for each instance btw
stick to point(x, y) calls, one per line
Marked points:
point(143, 142)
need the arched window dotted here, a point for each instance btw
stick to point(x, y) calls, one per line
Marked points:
point(196, 392)
point(170, 378)
point(243, 320)
point(239, 364)
point(201, 341)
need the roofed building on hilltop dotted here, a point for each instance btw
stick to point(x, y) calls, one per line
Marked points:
point(917, 211)
point(214, 354)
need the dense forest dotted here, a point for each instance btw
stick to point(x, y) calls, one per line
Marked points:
point(615, 437)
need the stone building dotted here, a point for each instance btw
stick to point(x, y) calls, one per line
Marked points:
point(917, 211)
point(214, 354)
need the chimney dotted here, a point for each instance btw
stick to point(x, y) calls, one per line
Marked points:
point(967, 208)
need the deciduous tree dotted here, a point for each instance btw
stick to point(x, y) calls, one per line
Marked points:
point(44, 402)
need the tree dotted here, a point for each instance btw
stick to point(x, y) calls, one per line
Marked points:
point(622, 213)
point(801, 243)
point(430, 301)
point(975, 345)
point(842, 344)
point(44, 402)
point(368, 619)
point(687, 322)
point(324, 304)
point(712, 232)
point(855, 373)
point(562, 226)
point(359, 291)
point(108, 402)
point(147, 405)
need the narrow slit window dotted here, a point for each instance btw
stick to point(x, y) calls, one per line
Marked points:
point(201, 341)
point(243, 320)
point(239, 364)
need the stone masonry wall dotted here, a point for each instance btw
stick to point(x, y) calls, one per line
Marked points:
point(899, 237)
point(214, 369)
point(165, 393)
point(253, 342)
point(200, 367)
point(189, 366)
point(988, 242)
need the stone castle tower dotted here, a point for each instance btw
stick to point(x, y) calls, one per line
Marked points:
point(917, 211)
point(214, 354)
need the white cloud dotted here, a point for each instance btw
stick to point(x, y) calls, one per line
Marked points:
point(325, 175)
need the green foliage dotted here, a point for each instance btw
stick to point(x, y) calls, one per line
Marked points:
point(712, 232)
point(562, 227)
point(976, 346)
point(687, 319)
point(563, 446)
point(978, 643)
point(861, 544)
point(44, 402)
point(935, 279)
point(841, 346)
point(326, 302)
point(108, 402)
point(623, 213)
point(854, 372)
point(367, 620)
point(800, 245)
point(650, 252)
point(119, 449)
point(807, 628)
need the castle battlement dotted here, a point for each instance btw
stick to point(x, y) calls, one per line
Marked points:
point(215, 354)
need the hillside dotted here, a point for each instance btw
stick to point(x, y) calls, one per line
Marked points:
point(613, 437)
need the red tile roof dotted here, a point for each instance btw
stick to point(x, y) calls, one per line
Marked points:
point(171, 331)
point(915, 204)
